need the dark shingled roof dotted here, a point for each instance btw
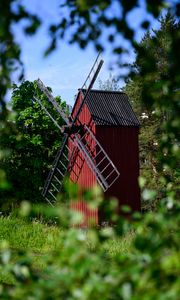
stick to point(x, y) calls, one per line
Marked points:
point(111, 108)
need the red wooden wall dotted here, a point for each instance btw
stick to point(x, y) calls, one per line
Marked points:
point(86, 179)
point(121, 144)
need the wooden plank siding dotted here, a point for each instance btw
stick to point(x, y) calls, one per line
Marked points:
point(121, 144)
point(86, 179)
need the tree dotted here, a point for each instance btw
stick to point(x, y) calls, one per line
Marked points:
point(11, 12)
point(155, 48)
point(163, 98)
point(110, 84)
point(33, 140)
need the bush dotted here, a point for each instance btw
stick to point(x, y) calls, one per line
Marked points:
point(83, 269)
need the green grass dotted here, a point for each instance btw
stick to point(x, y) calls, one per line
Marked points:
point(33, 236)
point(120, 245)
point(39, 239)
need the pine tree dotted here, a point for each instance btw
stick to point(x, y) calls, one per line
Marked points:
point(154, 50)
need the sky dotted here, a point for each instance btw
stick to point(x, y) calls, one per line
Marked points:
point(67, 67)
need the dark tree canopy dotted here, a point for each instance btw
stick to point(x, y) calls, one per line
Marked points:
point(33, 141)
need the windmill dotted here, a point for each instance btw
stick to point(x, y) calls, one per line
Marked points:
point(78, 141)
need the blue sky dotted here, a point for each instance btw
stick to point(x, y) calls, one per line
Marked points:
point(66, 68)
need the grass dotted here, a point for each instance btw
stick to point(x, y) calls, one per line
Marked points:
point(33, 236)
point(39, 239)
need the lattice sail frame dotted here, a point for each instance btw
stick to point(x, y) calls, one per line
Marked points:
point(97, 159)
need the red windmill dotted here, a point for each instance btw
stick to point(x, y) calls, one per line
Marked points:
point(100, 145)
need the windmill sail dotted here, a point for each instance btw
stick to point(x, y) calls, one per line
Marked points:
point(97, 159)
point(51, 99)
point(88, 84)
point(81, 137)
point(58, 171)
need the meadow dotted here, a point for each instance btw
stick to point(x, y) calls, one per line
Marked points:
point(38, 239)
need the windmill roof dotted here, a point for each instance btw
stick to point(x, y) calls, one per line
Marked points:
point(111, 108)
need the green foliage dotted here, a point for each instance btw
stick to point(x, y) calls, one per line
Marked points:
point(160, 82)
point(154, 54)
point(33, 140)
point(82, 268)
point(86, 21)
point(11, 13)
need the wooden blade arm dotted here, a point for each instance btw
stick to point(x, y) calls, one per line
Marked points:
point(51, 99)
point(55, 163)
point(88, 90)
